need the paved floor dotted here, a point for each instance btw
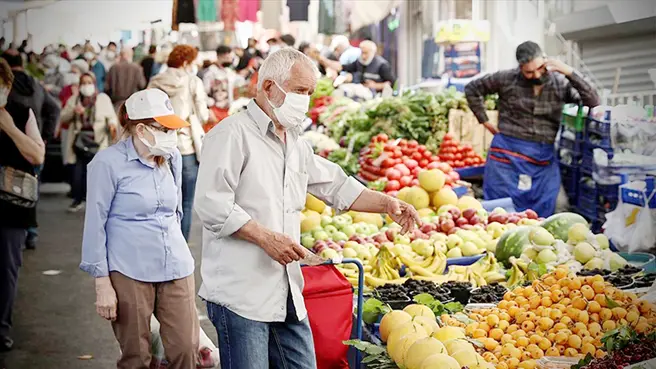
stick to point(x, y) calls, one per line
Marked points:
point(54, 318)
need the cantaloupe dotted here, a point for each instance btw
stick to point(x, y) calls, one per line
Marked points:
point(417, 197)
point(448, 333)
point(419, 310)
point(402, 330)
point(445, 196)
point(397, 353)
point(392, 320)
point(440, 361)
point(311, 221)
point(468, 202)
point(465, 358)
point(459, 344)
point(431, 180)
point(429, 324)
point(421, 350)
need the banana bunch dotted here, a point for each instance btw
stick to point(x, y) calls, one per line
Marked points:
point(384, 269)
point(460, 273)
point(517, 273)
point(432, 266)
point(488, 267)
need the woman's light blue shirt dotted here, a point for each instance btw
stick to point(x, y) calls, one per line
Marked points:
point(132, 220)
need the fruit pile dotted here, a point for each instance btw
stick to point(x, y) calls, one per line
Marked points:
point(398, 163)
point(457, 155)
point(560, 314)
point(415, 341)
point(624, 347)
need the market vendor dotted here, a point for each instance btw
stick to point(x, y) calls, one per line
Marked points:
point(252, 184)
point(370, 69)
point(521, 161)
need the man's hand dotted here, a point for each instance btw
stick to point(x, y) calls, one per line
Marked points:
point(106, 302)
point(558, 66)
point(403, 214)
point(282, 248)
point(6, 121)
point(370, 84)
point(490, 127)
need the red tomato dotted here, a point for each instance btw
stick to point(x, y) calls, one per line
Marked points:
point(445, 167)
point(467, 147)
point(392, 174)
point(410, 163)
point(449, 157)
point(406, 151)
point(448, 137)
point(417, 155)
point(390, 147)
point(455, 143)
point(398, 153)
point(405, 181)
point(392, 185)
point(458, 156)
point(416, 171)
point(468, 162)
point(402, 169)
point(403, 142)
point(388, 163)
point(383, 137)
point(423, 163)
point(433, 165)
point(427, 154)
point(414, 183)
point(434, 158)
point(421, 148)
point(398, 161)
point(459, 164)
point(413, 143)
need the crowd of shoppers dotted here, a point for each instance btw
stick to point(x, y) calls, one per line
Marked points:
point(131, 133)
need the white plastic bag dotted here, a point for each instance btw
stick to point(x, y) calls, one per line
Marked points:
point(204, 344)
point(632, 228)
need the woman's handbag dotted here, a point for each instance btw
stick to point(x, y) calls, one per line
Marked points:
point(18, 188)
point(85, 144)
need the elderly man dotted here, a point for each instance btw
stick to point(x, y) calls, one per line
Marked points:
point(253, 179)
point(370, 69)
point(521, 162)
point(124, 78)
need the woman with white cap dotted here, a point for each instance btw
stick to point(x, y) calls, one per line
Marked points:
point(133, 244)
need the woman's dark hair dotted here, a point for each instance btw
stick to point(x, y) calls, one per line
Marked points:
point(6, 75)
point(303, 46)
point(223, 49)
point(288, 39)
point(13, 58)
point(130, 125)
point(527, 51)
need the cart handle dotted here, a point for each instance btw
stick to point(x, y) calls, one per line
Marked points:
point(358, 321)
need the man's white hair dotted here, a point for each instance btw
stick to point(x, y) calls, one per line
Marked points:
point(277, 66)
point(339, 40)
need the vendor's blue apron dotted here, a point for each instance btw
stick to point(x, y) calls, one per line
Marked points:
point(525, 171)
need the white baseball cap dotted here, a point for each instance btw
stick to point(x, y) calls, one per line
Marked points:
point(154, 104)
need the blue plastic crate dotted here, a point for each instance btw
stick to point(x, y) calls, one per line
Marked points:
point(570, 178)
point(572, 145)
point(587, 205)
point(598, 127)
point(587, 160)
point(608, 195)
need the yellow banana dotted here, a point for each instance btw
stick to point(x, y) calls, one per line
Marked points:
point(377, 282)
point(367, 268)
point(393, 273)
point(419, 271)
point(353, 281)
point(438, 265)
point(494, 277)
point(437, 278)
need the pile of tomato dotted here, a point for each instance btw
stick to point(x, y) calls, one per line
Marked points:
point(457, 155)
point(399, 162)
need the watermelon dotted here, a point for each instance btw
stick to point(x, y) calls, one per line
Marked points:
point(559, 224)
point(512, 243)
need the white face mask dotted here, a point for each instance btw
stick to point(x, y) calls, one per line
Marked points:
point(89, 55)
point(87, 90)
point(4, 94)
point(293, 110)
point(111, 55)
point(165, 142)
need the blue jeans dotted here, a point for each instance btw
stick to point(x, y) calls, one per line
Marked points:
point(248, 344)
point(189, 174)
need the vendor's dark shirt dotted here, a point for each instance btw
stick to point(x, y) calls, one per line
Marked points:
point(522, 114)
point(378, 70)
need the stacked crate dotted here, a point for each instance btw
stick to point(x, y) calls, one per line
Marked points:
point(569, 153)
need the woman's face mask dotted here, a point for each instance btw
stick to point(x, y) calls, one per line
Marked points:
point(87, 89)
point(164, 143)
point(293, 110)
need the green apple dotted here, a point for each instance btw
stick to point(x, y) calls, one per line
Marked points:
point(307, 241)
point(349, 253)
point(351, 245)
point(339, 236)
point(349, 230)
point(330, 229)
point(422, 247)
point(329, 254)
point(491, 246)
point(530, 253)
point(469, 249)
point(453, 241)
point(394, 225)
point(321, 235)
point(495, 229)
point(326, 220)
point(399, 249)
point(454, 253)
point(401, 239)
point(342, 220)
point(499, 211)
point(546, 256)
point(364, 254)
point(440, 246)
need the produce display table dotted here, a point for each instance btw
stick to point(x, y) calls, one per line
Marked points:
point(470, 172)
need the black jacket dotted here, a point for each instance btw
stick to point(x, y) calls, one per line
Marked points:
point(28, 92)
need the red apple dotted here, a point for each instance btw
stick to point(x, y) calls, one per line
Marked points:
point(531, 214)
point(514, 219)
point(391, 233)
point(474, 220)
point(453, 230)
point(380, 238)
point(432, 233)
point(468, 227)
point(447, 225)
point(427, 227)
point(461, 221)
point(502, 218)
point(455, 212)
point(469, 213)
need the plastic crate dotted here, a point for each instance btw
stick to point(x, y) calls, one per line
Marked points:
point(587, 205)
point(608, 195)
point(587, 160)
point(574, 122)
point(572, 145)
point(570, 177)
point(598, 127)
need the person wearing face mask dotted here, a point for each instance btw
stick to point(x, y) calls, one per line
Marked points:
point(371, 70)
point(521, 162)
point(72, 80)
point(54, 78)
point(254, 175)
point(109, 55)
point(21, 149)
point(124, 78)
point(132, 242)
point(189, 100)
point(95, 67)
point(92, 124)
point(220, 82)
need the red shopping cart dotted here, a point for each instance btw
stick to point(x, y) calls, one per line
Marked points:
point(329, 302)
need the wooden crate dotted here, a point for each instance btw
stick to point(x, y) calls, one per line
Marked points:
point(465, 127)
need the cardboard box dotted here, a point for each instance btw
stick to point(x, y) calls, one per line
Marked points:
point(466, 128)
